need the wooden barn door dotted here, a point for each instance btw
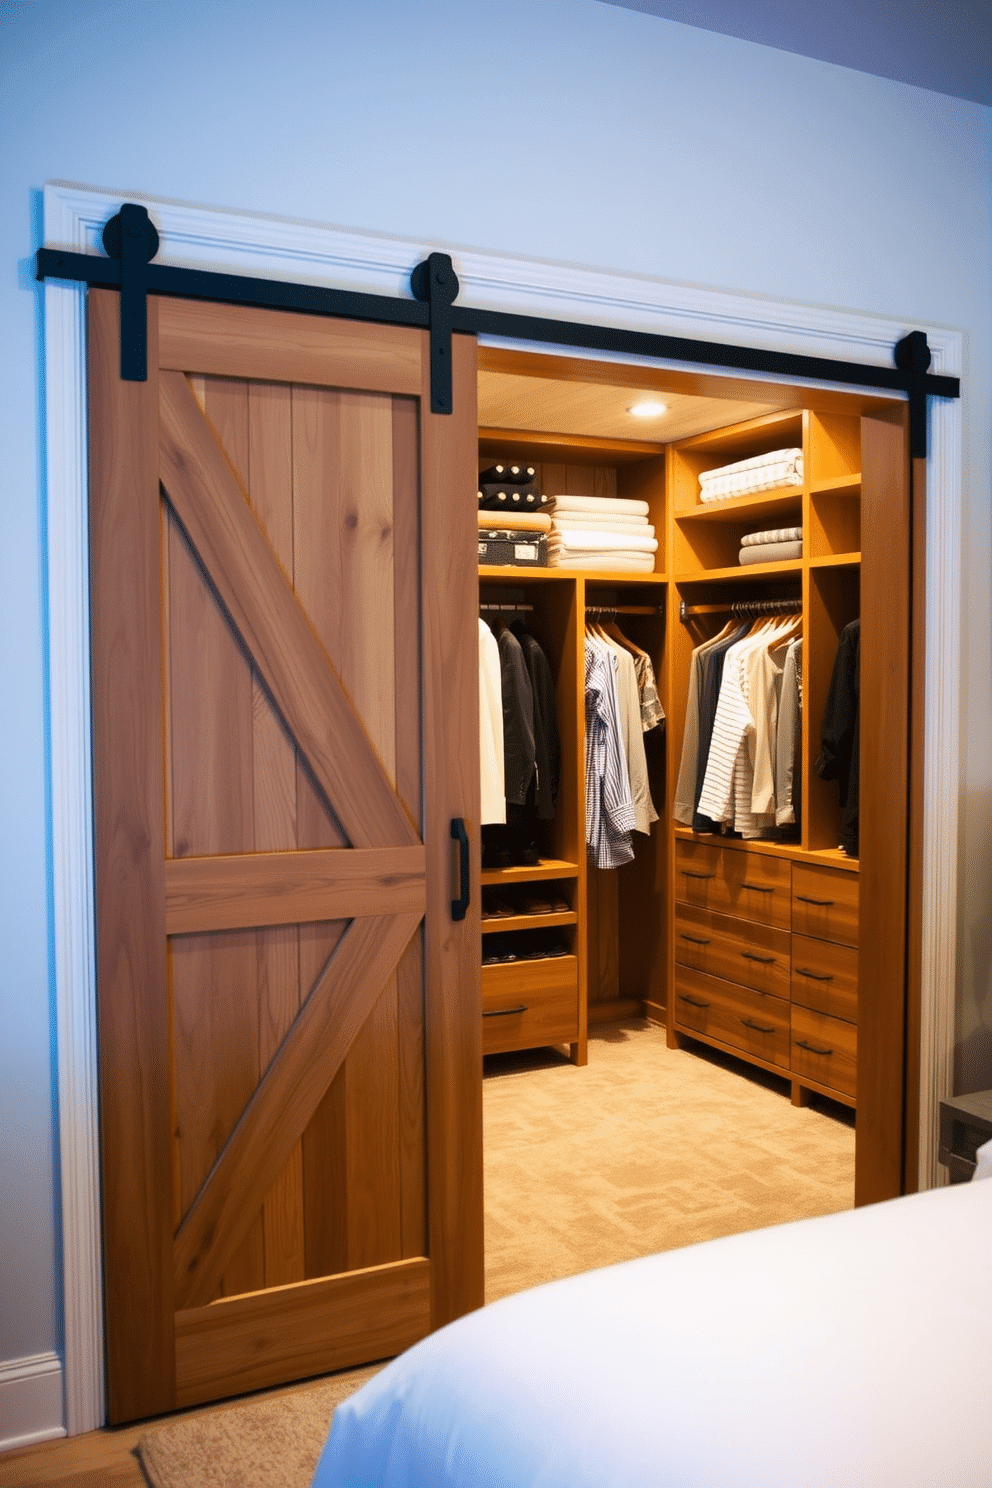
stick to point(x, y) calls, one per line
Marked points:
point(285, 698)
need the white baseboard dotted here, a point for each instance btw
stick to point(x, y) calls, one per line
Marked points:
point(31, 1401)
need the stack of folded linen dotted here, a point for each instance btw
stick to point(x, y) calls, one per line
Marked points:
point(601, 532)
point(783, 467)
point(776, 546)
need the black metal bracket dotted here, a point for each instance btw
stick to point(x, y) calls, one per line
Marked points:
point(912, 356)
point(436, 282)
point(131, 241)
point(132, 238)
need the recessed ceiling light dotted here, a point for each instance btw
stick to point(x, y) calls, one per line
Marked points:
point(647, 408)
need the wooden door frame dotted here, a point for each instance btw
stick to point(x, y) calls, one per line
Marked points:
point(238, 243)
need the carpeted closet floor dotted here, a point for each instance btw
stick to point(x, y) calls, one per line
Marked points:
point(645, 1149)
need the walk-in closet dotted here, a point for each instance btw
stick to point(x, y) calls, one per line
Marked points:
point(740, 934)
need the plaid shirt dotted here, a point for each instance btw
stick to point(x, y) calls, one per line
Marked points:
point(609, 808)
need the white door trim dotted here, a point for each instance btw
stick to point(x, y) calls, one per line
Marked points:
point(272, 247)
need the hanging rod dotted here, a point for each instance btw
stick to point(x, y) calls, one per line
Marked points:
point(744, 608)
point(506, 606)
point(624, 609)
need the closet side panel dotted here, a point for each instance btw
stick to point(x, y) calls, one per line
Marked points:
point(885, 678)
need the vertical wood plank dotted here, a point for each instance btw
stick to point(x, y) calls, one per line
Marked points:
point(885, 677)
point(406, 570)
point(215, 977)
point(451, 774)
point(270, 491)
point(128, 771)
point(372, 1138)
point(412, 1111)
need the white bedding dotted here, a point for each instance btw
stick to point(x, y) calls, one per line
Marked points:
point(850, 1350)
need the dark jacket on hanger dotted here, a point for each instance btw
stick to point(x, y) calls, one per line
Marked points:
point(547, 748)
point(519, 755)
point(840, 756)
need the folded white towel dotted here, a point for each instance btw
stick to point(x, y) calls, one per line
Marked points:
point(605, 522)
point(745, 477)
point(589, 538)
point(627, 562)
point(776, 535)
point(595, 505)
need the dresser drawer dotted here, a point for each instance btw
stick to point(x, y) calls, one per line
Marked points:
point(825, 1050)
point(825, 903)
point(529, 1003)
point(751, 886)
point(754, 1022)
point(737, 950)
point(825, 977)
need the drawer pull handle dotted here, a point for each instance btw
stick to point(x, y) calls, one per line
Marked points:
point(759, 888)
point(693, 1001)
point(758, 1027)
point(764, 960)
point(802, 1044)
point(694, 939)
point(815, 976)
point(820, 903)
point(504, 1012)
point(688, 873)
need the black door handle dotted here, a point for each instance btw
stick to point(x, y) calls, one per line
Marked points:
point(459, 906)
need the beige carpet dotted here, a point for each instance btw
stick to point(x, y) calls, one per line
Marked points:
point(645, 1149)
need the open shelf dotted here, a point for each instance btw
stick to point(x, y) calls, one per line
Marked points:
point(757, 507)
point(829, 857)
point(837, 560)
point(742, 572)
point(500, 925)
point(530, 873)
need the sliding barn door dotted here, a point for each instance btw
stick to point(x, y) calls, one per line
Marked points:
point(285, 698)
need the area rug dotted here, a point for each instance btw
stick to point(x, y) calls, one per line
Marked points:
point(272, 1442)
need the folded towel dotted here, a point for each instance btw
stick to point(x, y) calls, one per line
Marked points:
point(627, 562)
point(590, 539)
point(514, 521)
point(776, 535)
point(597, 505)
point(510, 475)
point(762, 473)
point(606, 522)
point(771, 552)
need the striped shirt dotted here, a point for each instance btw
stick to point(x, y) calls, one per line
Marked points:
point(609, 808)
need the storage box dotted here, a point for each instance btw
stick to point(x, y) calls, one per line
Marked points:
point(513, 549)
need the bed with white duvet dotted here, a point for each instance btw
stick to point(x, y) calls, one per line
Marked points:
point(855, 1349)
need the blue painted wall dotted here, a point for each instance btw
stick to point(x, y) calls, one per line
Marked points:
point(563, 129)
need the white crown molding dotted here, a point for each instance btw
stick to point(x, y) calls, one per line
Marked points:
point(30, 1401)
point(201, 237)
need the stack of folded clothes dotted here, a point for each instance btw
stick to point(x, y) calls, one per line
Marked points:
point(782, 467)
point(774, 546)
point(513, 528)
point(601, 532)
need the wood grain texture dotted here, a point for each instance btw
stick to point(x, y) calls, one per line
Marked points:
point(292, 1332)
point(286, 1098)
point(449, 597)
point(885, 668)
point(412, 1099)
point(917, 770)
point(128, 770)
point(280, 346)
point(271, 624)
point(282, 888)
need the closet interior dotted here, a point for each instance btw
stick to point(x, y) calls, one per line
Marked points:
point(745, 943)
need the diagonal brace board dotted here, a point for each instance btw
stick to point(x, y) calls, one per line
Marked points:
point(285, 1101)
point(259, 598)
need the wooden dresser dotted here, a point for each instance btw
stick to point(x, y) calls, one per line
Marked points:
point(766, 962)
